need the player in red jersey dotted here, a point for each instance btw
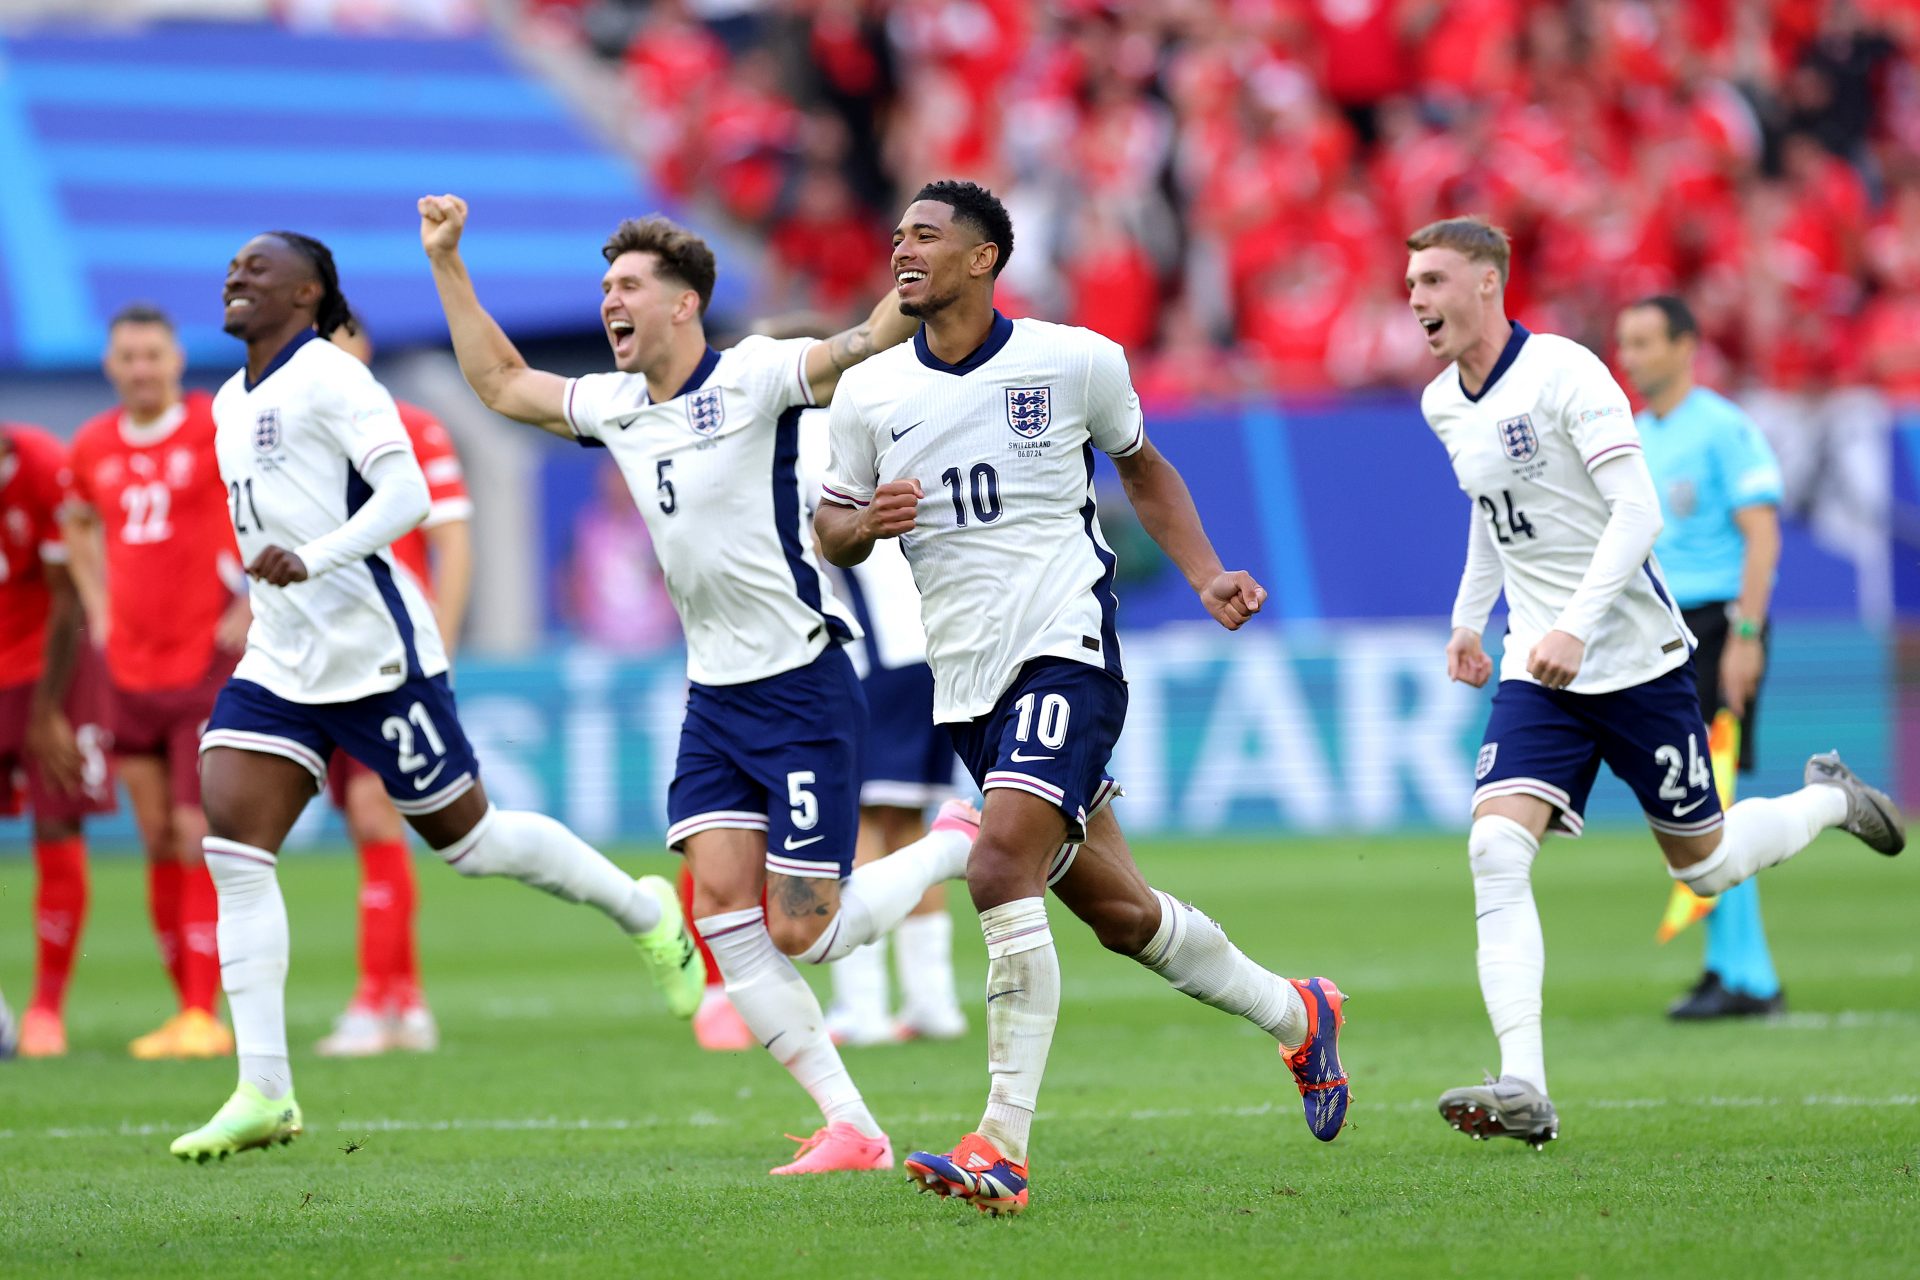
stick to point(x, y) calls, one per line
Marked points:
point(388, 1010)
point(51, 738)
point(146, 490)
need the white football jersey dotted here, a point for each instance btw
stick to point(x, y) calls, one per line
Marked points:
point(715, 473)
point(879, 590)
point(1007, 549)
point(1523, 451)
point(291, 450)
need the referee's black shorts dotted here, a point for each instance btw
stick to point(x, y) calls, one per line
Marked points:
point(1711, 626)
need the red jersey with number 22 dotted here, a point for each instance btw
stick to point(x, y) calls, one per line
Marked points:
point(171, 555)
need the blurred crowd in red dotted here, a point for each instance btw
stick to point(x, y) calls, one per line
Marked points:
point(1224, 185)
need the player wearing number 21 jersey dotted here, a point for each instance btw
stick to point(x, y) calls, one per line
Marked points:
point(975, 445)
point(1597, 667)
point(343, 652)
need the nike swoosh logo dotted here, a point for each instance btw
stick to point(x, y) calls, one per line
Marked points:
point(768, 1044)
point(421, 784)
point(1681, 811)
point(898, 434)
point(1017, 758)
point(792, 844)
point(1008, 992)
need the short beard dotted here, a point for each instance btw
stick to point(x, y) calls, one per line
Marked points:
point(930, 308)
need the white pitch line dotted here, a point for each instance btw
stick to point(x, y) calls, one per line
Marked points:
point(708, 1119)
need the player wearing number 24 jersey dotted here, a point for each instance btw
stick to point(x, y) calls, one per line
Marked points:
point(1598, 666)
point(976, 447)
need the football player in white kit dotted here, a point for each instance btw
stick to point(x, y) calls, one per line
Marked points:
point(1598, 661)
point(765, 796)
point(343, 652)
point(975, 446)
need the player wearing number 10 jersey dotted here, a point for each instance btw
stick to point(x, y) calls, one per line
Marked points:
point(344, 652)
point(976, 445)
point(1597, 667)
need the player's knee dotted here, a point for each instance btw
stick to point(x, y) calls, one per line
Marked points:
point(794, 936)
point(1500, 849)
point(998, 873)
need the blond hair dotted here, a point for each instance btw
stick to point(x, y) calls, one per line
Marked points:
point(1474, 238)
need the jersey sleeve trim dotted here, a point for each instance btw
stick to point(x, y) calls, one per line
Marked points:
point(1610, 450)
point(1134, 446)
point(800, 371)
point(379, 450)
point(447, 511)
point(830, 494)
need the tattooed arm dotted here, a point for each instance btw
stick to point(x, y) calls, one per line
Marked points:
point(826, 361)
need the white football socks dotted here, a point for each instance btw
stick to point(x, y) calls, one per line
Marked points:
point(1193, 954)
point(860, 984)
point(1764, 831)
point(878, 895)
point(780, 1010)
point(1023, 1007)
point(538, 851)
point(253, 960)
point(1513, 953)
point(923, 958)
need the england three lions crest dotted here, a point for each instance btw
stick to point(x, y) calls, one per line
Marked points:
point(1029, 410)
point(706, 411)
point(266, 431)
point(1518, 438)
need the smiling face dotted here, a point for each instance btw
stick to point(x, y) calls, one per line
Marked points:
point(936, 258)
point(1450, 295)
point(639, 308)
point(144, 363)
point(269, 283)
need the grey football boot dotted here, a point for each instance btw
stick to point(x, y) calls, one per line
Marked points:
point(1871, 815)
point(1505, 1108)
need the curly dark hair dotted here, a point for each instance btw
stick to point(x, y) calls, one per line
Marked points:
point(332, 311)
point(681, 255)
point(980, 209)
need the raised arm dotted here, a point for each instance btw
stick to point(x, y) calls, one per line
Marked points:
point(884, 327)
point(1165, 506)
point(490, 362)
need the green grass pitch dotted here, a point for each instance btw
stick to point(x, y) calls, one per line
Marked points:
point(568, 1127)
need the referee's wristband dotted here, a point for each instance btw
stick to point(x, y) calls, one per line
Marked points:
point(1746, 628)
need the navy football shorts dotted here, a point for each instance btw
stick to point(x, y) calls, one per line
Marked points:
point(1550, 743)
point(410, 736)
point(909, 758)
point(1051, 734)
point(779, 755)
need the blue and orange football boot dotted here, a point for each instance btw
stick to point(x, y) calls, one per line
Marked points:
point(976, 1172)
point(1316, 1064)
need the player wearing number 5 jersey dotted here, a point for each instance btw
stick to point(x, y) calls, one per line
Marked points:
point(344, 652)
point(1597, 663)
point(153, 553)
point(765, 792)
point(975, 446)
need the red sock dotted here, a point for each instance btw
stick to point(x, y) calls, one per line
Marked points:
point(686, 908)
point(163, 906)
point(59, 911)
point(199, 938)
point(388, 970)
